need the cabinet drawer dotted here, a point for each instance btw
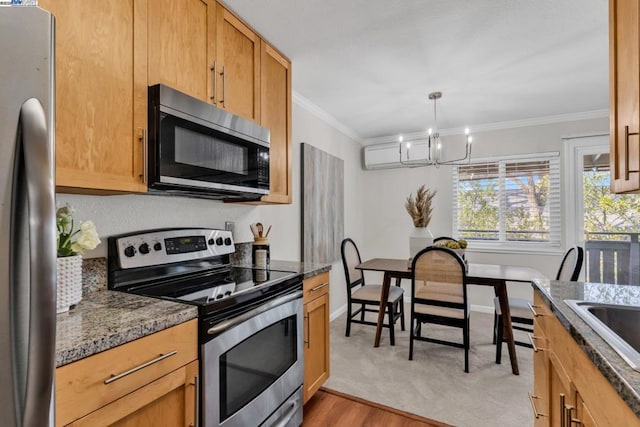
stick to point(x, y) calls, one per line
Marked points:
point(81, 387)
point(543, 313)
point(315, 286)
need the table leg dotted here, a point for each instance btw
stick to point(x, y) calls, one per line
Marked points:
point(384, 296)
point(501, 293)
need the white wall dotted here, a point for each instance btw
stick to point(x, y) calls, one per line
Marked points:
point(388, 226)
point(119, 214)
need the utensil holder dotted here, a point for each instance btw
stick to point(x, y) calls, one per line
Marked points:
point(260, 255)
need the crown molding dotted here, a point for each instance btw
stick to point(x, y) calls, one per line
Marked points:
point(326, 117)
point(535, 121)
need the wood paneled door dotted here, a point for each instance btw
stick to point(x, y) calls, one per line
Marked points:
point(238, 66)
point(101, 94)
point(182, 46)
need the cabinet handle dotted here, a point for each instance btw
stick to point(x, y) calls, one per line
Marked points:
point(563, 420)
point(568, 413)
point(215, 83)
point(533, 406)
point(196, 418)
point(307, 341)
point(532, 339)
point(533, 310)
point(224, 85)
point(145, 154)
point(115, 377)
point(626, 152)
point(319, 287)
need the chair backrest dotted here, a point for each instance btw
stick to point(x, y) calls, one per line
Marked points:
point(351, 258)
point(439, 278)
point(571, 264)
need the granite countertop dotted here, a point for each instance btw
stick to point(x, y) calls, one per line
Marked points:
point(307, 269)
point(622, 377)
point(106, 319)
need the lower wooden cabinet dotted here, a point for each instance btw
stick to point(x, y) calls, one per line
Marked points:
point(316, 333)
point(151, 381)
point(569, 390)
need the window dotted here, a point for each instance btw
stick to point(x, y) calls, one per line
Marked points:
point(509, 200)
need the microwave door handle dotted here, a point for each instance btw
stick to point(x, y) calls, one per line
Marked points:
point(38, 177)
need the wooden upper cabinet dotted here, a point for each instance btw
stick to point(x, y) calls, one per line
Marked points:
point(624, 62)
point(101, 94)
point(182, 45)
point(275, 114)
point(237, 66)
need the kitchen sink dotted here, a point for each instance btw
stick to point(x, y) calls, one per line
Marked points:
point(618, 325)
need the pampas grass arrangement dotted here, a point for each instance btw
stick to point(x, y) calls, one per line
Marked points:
point(420, 208)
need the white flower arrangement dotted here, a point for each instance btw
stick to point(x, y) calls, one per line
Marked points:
point(86, 236)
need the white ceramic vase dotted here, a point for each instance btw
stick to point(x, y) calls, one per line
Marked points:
point(69, 277)
point(420, 238)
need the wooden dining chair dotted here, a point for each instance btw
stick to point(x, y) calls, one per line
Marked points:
point(368, 296)
point(521, 315)
point(439, 295)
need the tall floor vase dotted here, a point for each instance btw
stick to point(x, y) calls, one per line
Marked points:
point(420, 238)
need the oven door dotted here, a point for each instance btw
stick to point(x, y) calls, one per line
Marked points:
point(253, 366)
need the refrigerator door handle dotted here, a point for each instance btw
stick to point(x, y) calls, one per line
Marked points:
point(36, 143)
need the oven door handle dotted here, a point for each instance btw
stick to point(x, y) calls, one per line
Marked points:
point(228, 324)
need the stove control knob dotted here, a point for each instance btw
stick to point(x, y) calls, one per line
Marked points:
point(129, 251)
point(219, 241)
point(226, 294)
point(157, 246)
point(211, 242)
point(227, 241)
point(219, 296)
point(144, 248)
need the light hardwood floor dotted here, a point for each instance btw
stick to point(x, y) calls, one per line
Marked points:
point(331, 408)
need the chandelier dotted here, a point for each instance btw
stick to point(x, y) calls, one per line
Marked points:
point(433, 147)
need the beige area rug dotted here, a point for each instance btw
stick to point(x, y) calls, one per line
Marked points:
point(434, 384)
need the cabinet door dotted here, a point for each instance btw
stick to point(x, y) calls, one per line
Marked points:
point(624, 62)
point(101, 94)
point(168, 401)
point(238, 61)
point(561, 391)
point(316, 340)
point(182, 45)
point(541, 379)
point(275, 114)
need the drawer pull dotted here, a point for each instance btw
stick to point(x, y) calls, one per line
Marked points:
point(115, 377)
point(533, 310)
point(563, 418)
point(626, 152)
point(532, 340)
point(319, 287)
point(568, 413)
point(215, 83)
point(533, 405)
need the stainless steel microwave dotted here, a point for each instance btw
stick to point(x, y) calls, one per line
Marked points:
point(196, 149)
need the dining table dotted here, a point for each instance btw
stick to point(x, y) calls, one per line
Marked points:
point(494, 275)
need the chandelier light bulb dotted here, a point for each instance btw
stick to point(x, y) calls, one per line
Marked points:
point(439, 146)
point(470, 140)
point(430, 131)
point(408, 145)
point(400, 138)
point(466, 131)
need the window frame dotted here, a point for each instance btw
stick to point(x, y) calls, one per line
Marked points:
point(555, 214)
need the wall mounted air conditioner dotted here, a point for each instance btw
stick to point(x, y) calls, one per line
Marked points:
point(387, 156)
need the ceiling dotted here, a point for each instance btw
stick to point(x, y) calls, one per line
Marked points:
point(370, 64)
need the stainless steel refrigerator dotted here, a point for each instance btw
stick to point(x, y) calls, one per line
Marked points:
point(27, 217)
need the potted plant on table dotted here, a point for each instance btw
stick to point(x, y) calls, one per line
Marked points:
point(420, 210)
point(72, 243)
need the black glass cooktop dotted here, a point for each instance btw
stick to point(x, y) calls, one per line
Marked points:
point(218, 288)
